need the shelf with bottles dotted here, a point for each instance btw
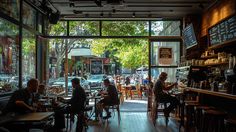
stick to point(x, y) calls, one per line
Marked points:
point(216, 64)
point(210, 56)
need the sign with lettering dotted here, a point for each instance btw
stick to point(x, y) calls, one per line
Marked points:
point(189, 37)
point(165, 56)
point(223, 31)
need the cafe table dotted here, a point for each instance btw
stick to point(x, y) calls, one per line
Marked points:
point(32, 120)
point(96, 99)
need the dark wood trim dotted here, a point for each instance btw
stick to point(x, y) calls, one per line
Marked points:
point(208, 92)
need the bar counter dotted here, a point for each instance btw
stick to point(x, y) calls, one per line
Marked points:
point(213, 93)
point(219, 100)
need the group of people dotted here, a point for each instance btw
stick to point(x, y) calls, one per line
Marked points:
point(26, 100)
point(23, 100)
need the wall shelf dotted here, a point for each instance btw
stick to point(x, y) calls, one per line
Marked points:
point(209, 57)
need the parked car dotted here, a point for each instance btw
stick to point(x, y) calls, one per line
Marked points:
point(15, 79)
point(96, 81)
point(61, 81)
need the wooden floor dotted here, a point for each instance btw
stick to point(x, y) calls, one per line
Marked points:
point(132, 122)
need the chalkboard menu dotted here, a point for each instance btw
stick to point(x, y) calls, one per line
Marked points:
point(224, 31)
point(189, 37)
point(96, 66)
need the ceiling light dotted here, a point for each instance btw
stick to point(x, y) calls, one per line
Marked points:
point(72, 4)
point(133, 14)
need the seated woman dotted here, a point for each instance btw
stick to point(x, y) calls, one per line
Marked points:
point(162, 96)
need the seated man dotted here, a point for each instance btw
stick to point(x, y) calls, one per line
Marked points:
point(77, 102)
point(110, 97)
point(21, 100)
point(162, 96)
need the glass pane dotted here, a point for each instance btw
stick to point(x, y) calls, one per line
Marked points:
point(124, 28)
point(84, 28)
point(9, 56)
point(155, 72)
point(40, 21)
point(165, 28)
point(59, 29)
point(56, 59)
point(165, 59)
point(28, 56)
point(29, 16)
point(10, 7)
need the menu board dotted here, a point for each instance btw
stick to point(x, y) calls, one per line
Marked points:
point(224, 31)
point(189, 37)
point(96, 66)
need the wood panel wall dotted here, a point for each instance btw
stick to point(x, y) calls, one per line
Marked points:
point(219, 11)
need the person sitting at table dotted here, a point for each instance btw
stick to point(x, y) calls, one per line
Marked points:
point(21, 100)
point(162, 96)
point(39, 96)
point(77, 102)
point(110, 98)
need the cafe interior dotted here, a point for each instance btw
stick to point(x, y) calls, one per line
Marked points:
point(190, 40)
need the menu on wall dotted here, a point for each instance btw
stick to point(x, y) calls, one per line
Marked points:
point(224, 31)
point(189, 37)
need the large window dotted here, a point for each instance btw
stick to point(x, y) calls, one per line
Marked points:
point(155, 72)
point(29, 16)
point(10, 8)
point(59, 29)
point(165, 57)
point(125, 28)
point(160, 49)
point(165, 28)
point(84, 28)
point(9, 56)
point(28, 56)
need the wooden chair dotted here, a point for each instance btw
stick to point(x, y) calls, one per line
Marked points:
point(117, 108)
point(121, 93)
point(136, 91)
point(157, 107)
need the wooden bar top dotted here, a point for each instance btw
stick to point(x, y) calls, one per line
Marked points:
point(214, 93)
point(33, 117)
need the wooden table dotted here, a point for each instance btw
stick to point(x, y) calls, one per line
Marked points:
point(40, 120)
point(33, 117)
point(96, 98)
point(128, 89)
point(213, 93)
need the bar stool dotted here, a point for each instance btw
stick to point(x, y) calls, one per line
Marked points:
point(213, 121)
point(199, 114)
point(190, 114)
point(230, 125)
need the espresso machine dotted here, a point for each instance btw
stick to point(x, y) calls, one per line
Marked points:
point(191, 76)
point(230, 76)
